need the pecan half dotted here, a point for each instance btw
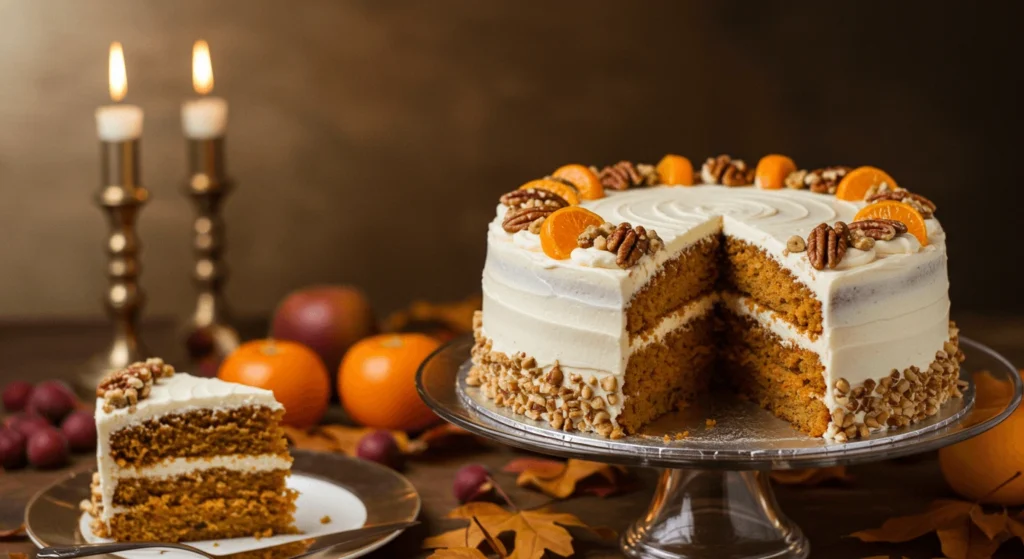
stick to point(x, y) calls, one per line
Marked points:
point(625, 174)
point(878, 229)
point(627, 242)
point(843, 230)
point(795, 180)
point(517, 219)
point(726, 171)
point(923, 205)
point(532, 197)
point(124, 388)
point(825, 247)
point(826, 179)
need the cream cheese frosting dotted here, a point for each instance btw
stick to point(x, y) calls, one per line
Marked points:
point(883, 308)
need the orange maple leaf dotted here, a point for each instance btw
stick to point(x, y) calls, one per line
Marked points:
point(562, 479)
point(812, 476)
point(536, 531)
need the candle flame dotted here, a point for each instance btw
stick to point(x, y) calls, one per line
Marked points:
point(202, 68)
point(118, 78)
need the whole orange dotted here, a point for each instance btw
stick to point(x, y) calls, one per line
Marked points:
point(377, 381)
point(292, 371)
point(978, 465)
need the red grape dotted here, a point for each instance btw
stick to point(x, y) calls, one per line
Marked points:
point(16, 395)
point(12, 449)
point(469, 480)
point(53, 400)
point(80, 430)
point(47, 448)
point(381, 447)
point(25, 423)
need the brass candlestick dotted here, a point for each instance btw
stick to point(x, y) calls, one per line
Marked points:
point(208, 333)
point(121, 197)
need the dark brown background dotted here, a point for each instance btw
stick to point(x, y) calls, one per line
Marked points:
point(371, 139)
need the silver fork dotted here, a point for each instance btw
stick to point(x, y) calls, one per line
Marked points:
point(336, 539)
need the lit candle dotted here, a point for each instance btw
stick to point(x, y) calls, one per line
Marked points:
point(206, 117)
point(118, 123)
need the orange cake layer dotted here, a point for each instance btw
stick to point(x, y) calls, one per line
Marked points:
point(682, 279)
point(779, 377)
point(747, 269)
point(199, 485)
point(667, 373)
point(200, 433)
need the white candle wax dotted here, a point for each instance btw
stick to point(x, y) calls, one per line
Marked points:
point(204, 118)
point(119, 123)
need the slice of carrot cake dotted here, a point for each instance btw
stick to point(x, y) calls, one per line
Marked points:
point(183, 458)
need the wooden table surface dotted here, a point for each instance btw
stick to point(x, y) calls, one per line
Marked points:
point(38, 351)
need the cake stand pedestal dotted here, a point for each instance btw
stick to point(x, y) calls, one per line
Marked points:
point(714, 499)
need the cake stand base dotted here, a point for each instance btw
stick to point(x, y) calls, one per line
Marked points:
point(714, 514)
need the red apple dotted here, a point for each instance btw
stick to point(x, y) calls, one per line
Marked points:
point(328, 319)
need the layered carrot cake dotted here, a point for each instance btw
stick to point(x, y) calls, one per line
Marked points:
point(182, 458)
point(614, 295)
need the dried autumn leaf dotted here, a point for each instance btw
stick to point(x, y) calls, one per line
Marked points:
point(1015, 525)
point(536, 531)
point(992, 525)
point(347, 438)
point(964, 540)
point(336, 438)
point(965, 530)
point(16, 532)
point(562, 479)
point(458, 553)
point(899, 529)
point(443, 436)
point(813, 476)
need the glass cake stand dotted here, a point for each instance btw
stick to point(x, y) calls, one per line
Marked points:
point(713, 499)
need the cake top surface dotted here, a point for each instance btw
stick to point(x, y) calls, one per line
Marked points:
point(768, 218)
point(136, 393)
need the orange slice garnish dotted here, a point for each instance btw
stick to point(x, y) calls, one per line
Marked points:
point(891, 209)
point(561, 229)
point(568, 193)
point(772, 171)
point(675, 170)
point(583, 178)
point(856, 184)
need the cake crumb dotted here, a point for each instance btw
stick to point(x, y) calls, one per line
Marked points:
point(325, 520)
point(683, 435)
point(709, 423)
point(666, 438)
point(216, 544)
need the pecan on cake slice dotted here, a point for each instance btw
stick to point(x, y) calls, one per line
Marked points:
point(124, 388)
